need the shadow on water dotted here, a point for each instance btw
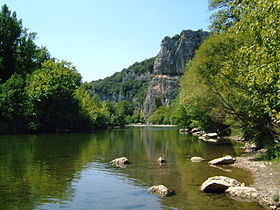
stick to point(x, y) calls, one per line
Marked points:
point(72, 171)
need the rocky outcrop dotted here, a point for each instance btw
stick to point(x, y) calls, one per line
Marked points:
point(169, 65)
point(176, 51)
point(218, 184)
point(222, 161)
point(162, 90)
point(153, 82)
point(161, 190)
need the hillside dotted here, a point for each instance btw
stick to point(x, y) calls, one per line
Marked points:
point(153, 82)
point(130, 84)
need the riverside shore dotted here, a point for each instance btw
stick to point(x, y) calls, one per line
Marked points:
point(150, 125)
point(266, 176)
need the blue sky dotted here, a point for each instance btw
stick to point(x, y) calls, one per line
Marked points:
point(101, 37)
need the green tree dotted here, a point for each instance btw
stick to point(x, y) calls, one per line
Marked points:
point(10, 33)
point(50, 97)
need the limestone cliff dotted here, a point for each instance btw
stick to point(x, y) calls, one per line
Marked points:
point(169, 65)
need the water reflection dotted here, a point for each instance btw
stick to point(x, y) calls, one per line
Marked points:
point(73, 171)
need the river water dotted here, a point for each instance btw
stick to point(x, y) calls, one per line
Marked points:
point(71, 171)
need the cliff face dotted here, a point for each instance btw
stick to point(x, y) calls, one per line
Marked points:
point(153, 82)
point(169, 65)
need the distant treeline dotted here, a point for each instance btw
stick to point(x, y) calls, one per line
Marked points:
point(232, 86)
point(38, 93)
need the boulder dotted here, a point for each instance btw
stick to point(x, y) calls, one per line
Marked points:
point(184, 130)
point(197, 159)
point(243, 193)
point(194, 130)
point(211, 135)
point(218, 184)
point(222, 161)
point(161, 190)
point(161, 160)
point(120, 161)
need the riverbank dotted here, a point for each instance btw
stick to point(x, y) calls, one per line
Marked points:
point(150, 125)
point(266, 176)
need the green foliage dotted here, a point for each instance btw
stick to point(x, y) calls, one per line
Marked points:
point(130, 84)
point(225, 16)
point(93, 113)
point(50, 94)
point(18, 52)
point(11, 98)
point(234, 79)
point(164, 116)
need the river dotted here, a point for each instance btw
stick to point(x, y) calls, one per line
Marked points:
point(72, 171)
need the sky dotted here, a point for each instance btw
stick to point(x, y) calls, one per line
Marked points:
point(101, 37)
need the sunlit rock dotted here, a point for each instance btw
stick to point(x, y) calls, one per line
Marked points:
point(161, 190)
point(222, 161)
point(161, 160)
point(218, 184)
point(197, 159)
point(122, 161)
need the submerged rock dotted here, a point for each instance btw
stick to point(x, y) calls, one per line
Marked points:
point(220, 168)
point(120, 161)
point(222, 161)
point(218, 184)
point(161, 190)
point(161, 160)
point(197, 159)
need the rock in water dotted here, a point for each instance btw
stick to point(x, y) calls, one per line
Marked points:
point(197, 159)
point(243, 193)
point(160, 190)
point(211, 135)
point(120, 161)
point(222, 161)
point(218, 184)
point(161, 160)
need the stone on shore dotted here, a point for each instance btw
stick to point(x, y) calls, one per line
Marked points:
point(161, 190)
point(222, 161)
point(120, 161)
point(243, 193)
point(194, 130)
point(184, 130)
point(211, 135)
point(197, 159)
point(218, 184)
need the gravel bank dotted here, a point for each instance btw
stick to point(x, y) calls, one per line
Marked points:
point(266, 176)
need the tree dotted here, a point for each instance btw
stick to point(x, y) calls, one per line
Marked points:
point(224, 16)
point(10, 33)
point(50, 97)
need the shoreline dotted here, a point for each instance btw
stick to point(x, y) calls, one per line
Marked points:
point(266, 177)
point(151, 125)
